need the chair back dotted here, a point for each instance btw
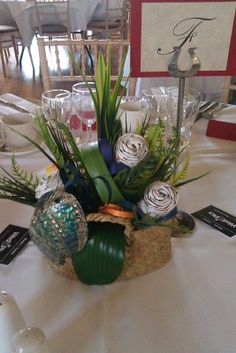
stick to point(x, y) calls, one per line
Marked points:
point(53, 17)
point(6, 17)
point(115, 23)
point(228, 88)
point(85, 52)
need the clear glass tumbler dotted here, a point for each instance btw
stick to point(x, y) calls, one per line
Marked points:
point(50, 104)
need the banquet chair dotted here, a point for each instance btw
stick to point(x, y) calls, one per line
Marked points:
point(8, 36)
point(228, 88)
point(58, 63)
point(53, 18)
point(116, 22)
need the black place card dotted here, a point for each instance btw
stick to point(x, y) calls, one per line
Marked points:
point(12, 240)
point(218, 219)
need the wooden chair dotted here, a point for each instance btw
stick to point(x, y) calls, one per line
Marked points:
point(62, 69)
point(7, 40)
point(53, 18)
point(228, 88)
point(116, 22)
point(10, 37)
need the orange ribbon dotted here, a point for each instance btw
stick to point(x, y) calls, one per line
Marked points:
point(51, 169)
point(116, 211)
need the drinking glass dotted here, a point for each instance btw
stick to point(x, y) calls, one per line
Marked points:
point(63, 103)
point(154, 104)
point(50, 103)
point(84, 105)
point(190, 110)
point(74, 122)
point(162, 103)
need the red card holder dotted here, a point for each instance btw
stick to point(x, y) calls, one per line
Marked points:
point(221, 129)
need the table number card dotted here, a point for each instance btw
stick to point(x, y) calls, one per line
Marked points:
point(157, 26)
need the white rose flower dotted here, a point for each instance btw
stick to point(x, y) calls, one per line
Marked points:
point(159, 199)
point(130, 149)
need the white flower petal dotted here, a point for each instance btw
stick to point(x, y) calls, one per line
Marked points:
point(130, 149)
point(47, 184)
point(159, 199)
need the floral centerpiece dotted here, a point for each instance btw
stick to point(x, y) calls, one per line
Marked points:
point(108, 207)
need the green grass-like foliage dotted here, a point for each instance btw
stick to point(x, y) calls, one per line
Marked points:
point(84, 172)
point(19, 185)
point(159, 164)
point(106, 97)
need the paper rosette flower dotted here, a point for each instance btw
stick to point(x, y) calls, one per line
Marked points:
point(47, 184)
point(159, 199)
point(130, 149)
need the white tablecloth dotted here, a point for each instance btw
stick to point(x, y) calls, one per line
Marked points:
point(188, 306)
point(23, 12)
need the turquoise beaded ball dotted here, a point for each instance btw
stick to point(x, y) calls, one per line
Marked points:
point(58, 226)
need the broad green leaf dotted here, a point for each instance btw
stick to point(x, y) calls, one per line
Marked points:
point(102, 259)
point(99, 173)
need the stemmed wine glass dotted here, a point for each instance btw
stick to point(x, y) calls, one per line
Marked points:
point(84, 105)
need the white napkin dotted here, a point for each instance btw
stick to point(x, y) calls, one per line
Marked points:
point(227, 114)
point(5, 110)
point(18, 101)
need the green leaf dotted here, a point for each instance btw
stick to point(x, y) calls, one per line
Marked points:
point(31, 180)
point(106, 99)
point(74, 151)
point(17, 189)
point(177, 185)
point(38, 118)
point(100, 76)
point(102, 259)
point(99, 173)
point(134, 181)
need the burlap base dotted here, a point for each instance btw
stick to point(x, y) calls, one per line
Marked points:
point(150, 250)
point(146, 250)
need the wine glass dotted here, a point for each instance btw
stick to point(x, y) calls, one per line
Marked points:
point(50, 103)
point(84, 104)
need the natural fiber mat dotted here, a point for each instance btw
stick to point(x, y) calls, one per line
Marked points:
point(146, 251)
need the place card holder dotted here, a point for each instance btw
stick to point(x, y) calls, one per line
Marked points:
point(221, 129)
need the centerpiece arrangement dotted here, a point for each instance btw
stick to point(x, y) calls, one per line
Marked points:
point(105, 209)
